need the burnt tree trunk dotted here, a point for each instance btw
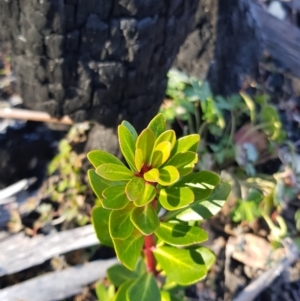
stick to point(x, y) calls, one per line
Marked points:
point(102, 60)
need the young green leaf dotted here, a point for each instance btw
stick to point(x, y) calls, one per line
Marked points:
point(128, 250)
point(135, 188)
point(152, 175)
point(101, 292)
point(147, 197)
point(131, 129)
point(145, 219)
point(98, 184)
point(122, 291)
point(157, 125)
point(118, 274)
point(114, 197)
point(184, 162)
point(120, 225)
point(168, 136)
point(202, 183)
point(185, 144)
point(203, 209)
point(114, 172)
point(145, 142)
point(179, 234)
point(99, 157)
point(144, 288)
point(168, 175)
point(161, 154)
point(127, 145)
point(138, 159)
point(185, 267)
point(174, 198)
point(100, 218)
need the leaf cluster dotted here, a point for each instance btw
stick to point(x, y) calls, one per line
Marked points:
point(156, 194)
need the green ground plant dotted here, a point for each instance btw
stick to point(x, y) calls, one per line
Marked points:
point(149, 210)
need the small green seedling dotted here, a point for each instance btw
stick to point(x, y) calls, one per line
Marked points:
point(150, 209)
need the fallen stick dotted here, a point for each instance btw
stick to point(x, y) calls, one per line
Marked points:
point(58, 285)
point(20, 252)
point(9, 113)
point(267, 278)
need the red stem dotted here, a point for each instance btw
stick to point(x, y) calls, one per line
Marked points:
point(149, 245)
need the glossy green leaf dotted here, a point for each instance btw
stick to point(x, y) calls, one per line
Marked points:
point(184, 162)
point(132, 130)
point(174, 198)
point(122, 291)
point(138, 159)
point(147, 197)
point(144, 288)
point(114, 172)
point(135, 188)
point(128, 250)
point(100, 218)
point(179, 234)
point(157, 125)
point(97, 183)
point(168, 175)
point(120, 225)
point(145, 142)
point(118, 274)
point(99, 157)
point(127, 145)
point(204, 209)
point(145, 219)
point(208, 256)
point(168, 136)
point(140, 268)
point(161, 154)
point(202, 183)
point(183, 266)
point(185, 144)
point(152, 175)
point(167, 296)
point(115, 197)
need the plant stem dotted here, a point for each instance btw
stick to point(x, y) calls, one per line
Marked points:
point(149, 244)
point(150, 259)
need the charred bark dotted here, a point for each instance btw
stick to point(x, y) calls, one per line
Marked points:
point(101, 60)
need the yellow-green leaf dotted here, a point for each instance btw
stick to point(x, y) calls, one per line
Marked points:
point(180, 234)
point(135, 188)
point(131, 129)
point(152, 175)
point(147, 197)
point(138, 159)
point(98, 184)
point(174, 198)
point(100, 218)
point(144, 288)
point(128, 250)
point(185, 144)
point(99, 157)
point(168, 136)
point(157, 125)
point(184, 162)
point(168, 175)
point(145, 219)
point(182, 266)
point(114, 172)
point(161, 154)
point(145, 142)
point(122, 291)
point(127, 145)
point(114, 197)
point(120, 225)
